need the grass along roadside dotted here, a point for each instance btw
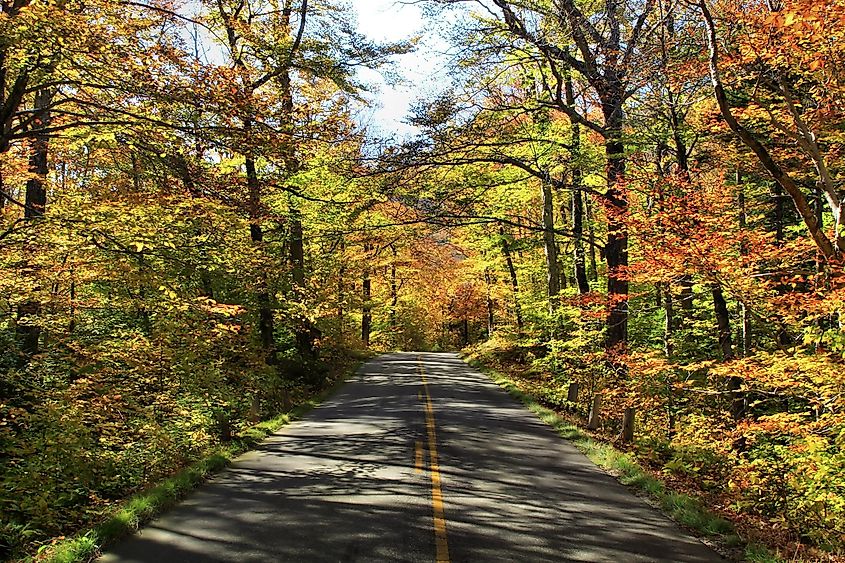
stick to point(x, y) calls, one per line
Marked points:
point(688, 511)
point(145, 506)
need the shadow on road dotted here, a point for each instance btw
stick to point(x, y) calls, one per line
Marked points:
point(341, 485)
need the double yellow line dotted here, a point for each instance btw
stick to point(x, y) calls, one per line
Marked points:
point(440, 542)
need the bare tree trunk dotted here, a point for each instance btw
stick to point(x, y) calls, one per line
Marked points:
point(669, 350)
point(723, 322)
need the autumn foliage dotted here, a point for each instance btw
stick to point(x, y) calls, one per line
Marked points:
point(643, 198)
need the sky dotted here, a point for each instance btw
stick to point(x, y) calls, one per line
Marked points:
point(422, 71)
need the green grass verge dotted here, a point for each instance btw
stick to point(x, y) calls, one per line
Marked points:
point(686, 510)
point(143, 507)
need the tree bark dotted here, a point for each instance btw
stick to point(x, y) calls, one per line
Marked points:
point(394, 296)
point(506, 252)
point(616, 250)
point(579, 260)
point(669, 321)
point(26, 327)
point(552, 272)
point(266, 328)
point(591, 239)
point(745, 320)
point(366, 303)
point(491, 319)
point(723, 325)
point(341, 290)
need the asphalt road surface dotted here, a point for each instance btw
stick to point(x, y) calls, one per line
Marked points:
point(418, 458)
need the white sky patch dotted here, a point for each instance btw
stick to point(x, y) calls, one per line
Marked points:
point(421, 72)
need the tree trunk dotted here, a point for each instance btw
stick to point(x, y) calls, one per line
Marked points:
point(745, 336)
point(669, 322)
point(36, 186)
point(626, 436)
point(579, 260)
point(723, 322)
point(266, 329)
point(779, 215)
point(491, 320)
point(394, 296)
point(616, 250)
point(341, 297)
point(506, 252)
point(594, 420)
point(366, 303)
point(27, 328)
point(723, 325)
point(591, 239)
point(686, 297)
point(552, 272)
point(304, 330)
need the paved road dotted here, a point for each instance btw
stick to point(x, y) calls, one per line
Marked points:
point(417, 458)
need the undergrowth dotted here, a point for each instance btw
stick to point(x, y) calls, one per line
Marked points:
point(144, 507)
point(688, 511)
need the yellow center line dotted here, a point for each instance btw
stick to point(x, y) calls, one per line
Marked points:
point(418, 457)
point(440, 542)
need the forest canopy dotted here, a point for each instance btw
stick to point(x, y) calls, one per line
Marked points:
point(640, 197)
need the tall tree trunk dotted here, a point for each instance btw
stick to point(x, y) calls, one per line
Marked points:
point(366, 301)
point(723, 326)
point(779, 213)
point(723, 322)
point(506, 252)
point(669, 321)
point(394, 295)
point(579, 260)
point(686, 297)
point(296, 251)
point(266, 329)
point(616, 250)
point(36, 186)
point(593, 272)
point(491, 319)
point(27, 328)
point(304, 330)
point(745, 337)
point(552, 272)
point(341, 290)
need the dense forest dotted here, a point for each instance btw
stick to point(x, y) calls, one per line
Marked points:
point(643, 197)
